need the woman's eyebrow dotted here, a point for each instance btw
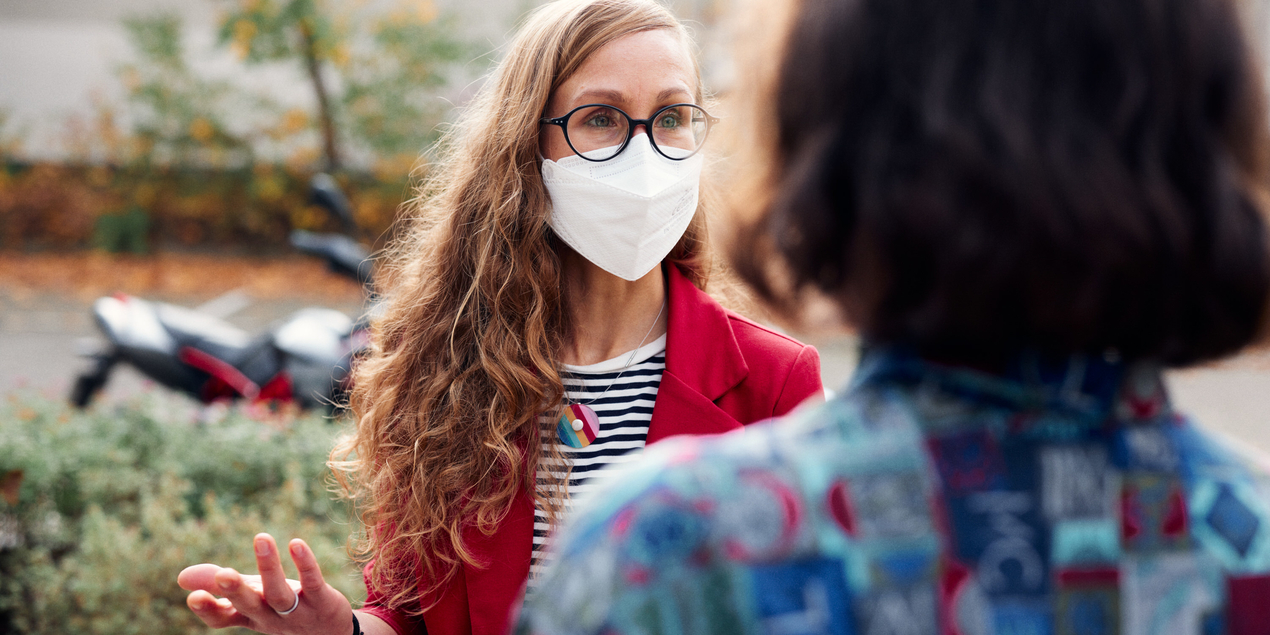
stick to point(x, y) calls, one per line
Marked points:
point(673, 92)
point(605, 95)
point(616, 97)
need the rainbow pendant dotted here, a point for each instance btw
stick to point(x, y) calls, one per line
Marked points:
point(578, 426)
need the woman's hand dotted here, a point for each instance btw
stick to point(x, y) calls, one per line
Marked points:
point(258, 601)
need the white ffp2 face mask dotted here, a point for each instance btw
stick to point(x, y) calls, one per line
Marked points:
point(624, 214)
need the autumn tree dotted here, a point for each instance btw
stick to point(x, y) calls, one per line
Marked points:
point(176, 115)
point(373, 73)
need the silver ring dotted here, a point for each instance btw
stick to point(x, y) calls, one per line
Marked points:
point(293, 606)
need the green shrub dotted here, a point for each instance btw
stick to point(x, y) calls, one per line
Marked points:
point(127, 232)
point(112, 503)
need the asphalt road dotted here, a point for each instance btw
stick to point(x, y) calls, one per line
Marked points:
point(39, 336)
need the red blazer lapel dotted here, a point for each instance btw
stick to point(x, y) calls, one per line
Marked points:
point(682, 410)
point(703, 361)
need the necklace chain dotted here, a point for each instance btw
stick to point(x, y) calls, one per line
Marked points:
point(630, 359)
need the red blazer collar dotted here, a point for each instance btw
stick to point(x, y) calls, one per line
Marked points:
point(701, 350)
point(703, 361)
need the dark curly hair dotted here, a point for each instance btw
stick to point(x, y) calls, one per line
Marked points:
point(976, 177)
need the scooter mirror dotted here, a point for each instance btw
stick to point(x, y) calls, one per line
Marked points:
point(326, 193)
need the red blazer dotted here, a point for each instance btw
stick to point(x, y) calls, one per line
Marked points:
point(722, 372)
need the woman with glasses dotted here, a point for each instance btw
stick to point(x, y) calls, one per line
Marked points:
point(547, 317)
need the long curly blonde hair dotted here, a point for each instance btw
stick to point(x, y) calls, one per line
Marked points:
point(466, 356)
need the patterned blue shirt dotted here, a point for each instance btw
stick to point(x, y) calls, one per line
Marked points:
point(1049, 498)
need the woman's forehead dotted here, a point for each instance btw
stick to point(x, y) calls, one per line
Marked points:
point(648, 66)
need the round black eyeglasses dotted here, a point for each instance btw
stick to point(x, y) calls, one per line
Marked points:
point(599, 132)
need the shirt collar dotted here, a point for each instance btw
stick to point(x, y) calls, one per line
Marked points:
point(1081, 387)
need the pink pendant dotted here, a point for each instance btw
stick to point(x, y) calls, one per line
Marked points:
point(578, 426)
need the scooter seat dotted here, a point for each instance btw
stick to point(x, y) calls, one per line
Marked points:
point(180, 347)
point(221, 349)
point(210, 335)
point(164, 328)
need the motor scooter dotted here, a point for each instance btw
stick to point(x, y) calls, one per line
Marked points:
point(304, 359)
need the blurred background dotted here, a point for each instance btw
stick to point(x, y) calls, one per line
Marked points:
point(164, 149)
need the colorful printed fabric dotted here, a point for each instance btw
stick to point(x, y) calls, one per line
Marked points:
point(1049, 499)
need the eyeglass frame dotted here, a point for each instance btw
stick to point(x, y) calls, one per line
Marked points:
point(563, 122)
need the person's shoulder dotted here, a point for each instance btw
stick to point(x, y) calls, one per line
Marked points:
point(783, 372)
point(1225, 484)
point(754, 337)
point(845, 434)
point(695, 467)
point(703, 521)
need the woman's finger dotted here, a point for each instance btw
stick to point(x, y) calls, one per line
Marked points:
point(246, 600)
point(215, 613)
point(306, 563)
point(199, 576)
point(273, 580)
point(253, 581)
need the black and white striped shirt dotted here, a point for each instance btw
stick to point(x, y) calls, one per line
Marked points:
point(623, 412)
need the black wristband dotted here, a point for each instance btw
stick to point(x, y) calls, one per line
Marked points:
point(357, 628)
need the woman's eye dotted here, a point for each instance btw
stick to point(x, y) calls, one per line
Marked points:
point(668, 121)
point(600, 121)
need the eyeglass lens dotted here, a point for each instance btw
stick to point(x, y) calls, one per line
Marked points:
point(598, 132)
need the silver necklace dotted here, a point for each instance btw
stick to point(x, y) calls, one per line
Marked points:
point(578, 424)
